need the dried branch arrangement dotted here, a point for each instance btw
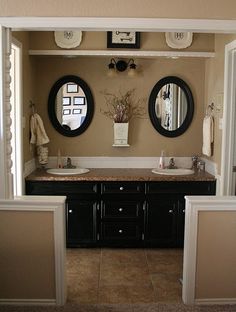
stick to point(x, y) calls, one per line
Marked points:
point(123, 107)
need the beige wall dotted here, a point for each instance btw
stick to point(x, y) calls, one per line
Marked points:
point(214, 88)
point(216, 255)
point(98, 139)
point(212, 9)
point(27, 267)
point(28, 90)
point(98, 40)
point(150, 72)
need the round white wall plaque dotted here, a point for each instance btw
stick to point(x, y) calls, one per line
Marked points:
point(179, 40)
point(68, 39)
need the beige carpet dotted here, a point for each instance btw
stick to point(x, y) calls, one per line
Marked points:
point(156, 307)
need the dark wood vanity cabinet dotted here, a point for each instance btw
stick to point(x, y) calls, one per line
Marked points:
point(81, 208)
point(129, 213)
point(165, 210)
point(121, 217)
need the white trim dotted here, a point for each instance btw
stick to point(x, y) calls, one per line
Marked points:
point(228, 136)
point(55, 204)
point(114, 23)
point(140, 53)
point(216, 301)
point(27, 302)
point(18, 174)
point(194, 204)
point(6, 190)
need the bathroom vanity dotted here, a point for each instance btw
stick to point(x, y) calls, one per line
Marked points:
point(123, 207)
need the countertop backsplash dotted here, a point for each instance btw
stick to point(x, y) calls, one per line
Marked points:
point(119, 162)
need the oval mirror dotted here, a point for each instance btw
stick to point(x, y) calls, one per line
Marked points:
point(70, 105)
point(171, 106)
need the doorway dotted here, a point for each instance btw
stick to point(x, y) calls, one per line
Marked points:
point(228, 162)
point(16, 116)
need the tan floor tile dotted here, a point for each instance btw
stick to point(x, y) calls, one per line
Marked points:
point(130, 257)
point(123, 275)
point(164, 251)
point(142, 294)
point(113, 294)
point(79, 291)
point(165, 263)
point(167, 287)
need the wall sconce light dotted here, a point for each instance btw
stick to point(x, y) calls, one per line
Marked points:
point(120, 66)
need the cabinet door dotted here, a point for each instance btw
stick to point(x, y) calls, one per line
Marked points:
point(160, 221)
point(81, 222)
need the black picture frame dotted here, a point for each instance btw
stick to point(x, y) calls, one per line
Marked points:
point(77, 111)
point(123, 42)
point(72, 88)
point(66, 111)
point(66, 100)
point(78, 100)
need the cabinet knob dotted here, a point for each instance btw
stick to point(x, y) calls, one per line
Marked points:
point(121, 188)
point(120, 209)
point(171, 211)
point(120, 231)
point(183, 210)
point(70, 210)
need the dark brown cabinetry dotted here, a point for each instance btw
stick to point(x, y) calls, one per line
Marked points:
point(121, 218)
point(81, 208)
point(165, 210)
point(125, 213)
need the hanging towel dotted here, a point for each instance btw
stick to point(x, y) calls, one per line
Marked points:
point(208, 135)
point(38, 133)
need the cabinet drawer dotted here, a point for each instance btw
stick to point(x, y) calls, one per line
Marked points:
point(182, 187)
point(122, 188)
point(121, 209)
point(120, 231)
point(60, 188)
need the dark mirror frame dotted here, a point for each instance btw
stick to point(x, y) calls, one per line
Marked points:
point(51, 105)
point(152, 102)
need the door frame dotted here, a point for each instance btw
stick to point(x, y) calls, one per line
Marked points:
point(18, 188)
point(227, 186)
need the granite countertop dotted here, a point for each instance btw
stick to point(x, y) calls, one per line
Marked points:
point(118, 174)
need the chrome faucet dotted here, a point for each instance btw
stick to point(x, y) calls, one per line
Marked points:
point(171, 164)
point(69, 164)
point(195, 160)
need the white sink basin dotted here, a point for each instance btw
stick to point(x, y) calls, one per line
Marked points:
point(178, 171)
point(67, 171)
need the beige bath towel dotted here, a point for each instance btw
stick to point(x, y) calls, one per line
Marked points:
point(208, 135)
point(38, 133)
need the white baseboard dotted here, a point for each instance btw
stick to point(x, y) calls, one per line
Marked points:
point(27, 302)
point(216, 301)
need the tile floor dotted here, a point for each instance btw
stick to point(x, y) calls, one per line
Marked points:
point(124, 276)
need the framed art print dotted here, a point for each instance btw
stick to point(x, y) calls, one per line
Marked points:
point(123, 39)
point(77, 111)
point(66, 100)
point(78, 100)
point(72, 88)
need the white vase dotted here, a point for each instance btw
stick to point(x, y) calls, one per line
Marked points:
point(121, 134)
